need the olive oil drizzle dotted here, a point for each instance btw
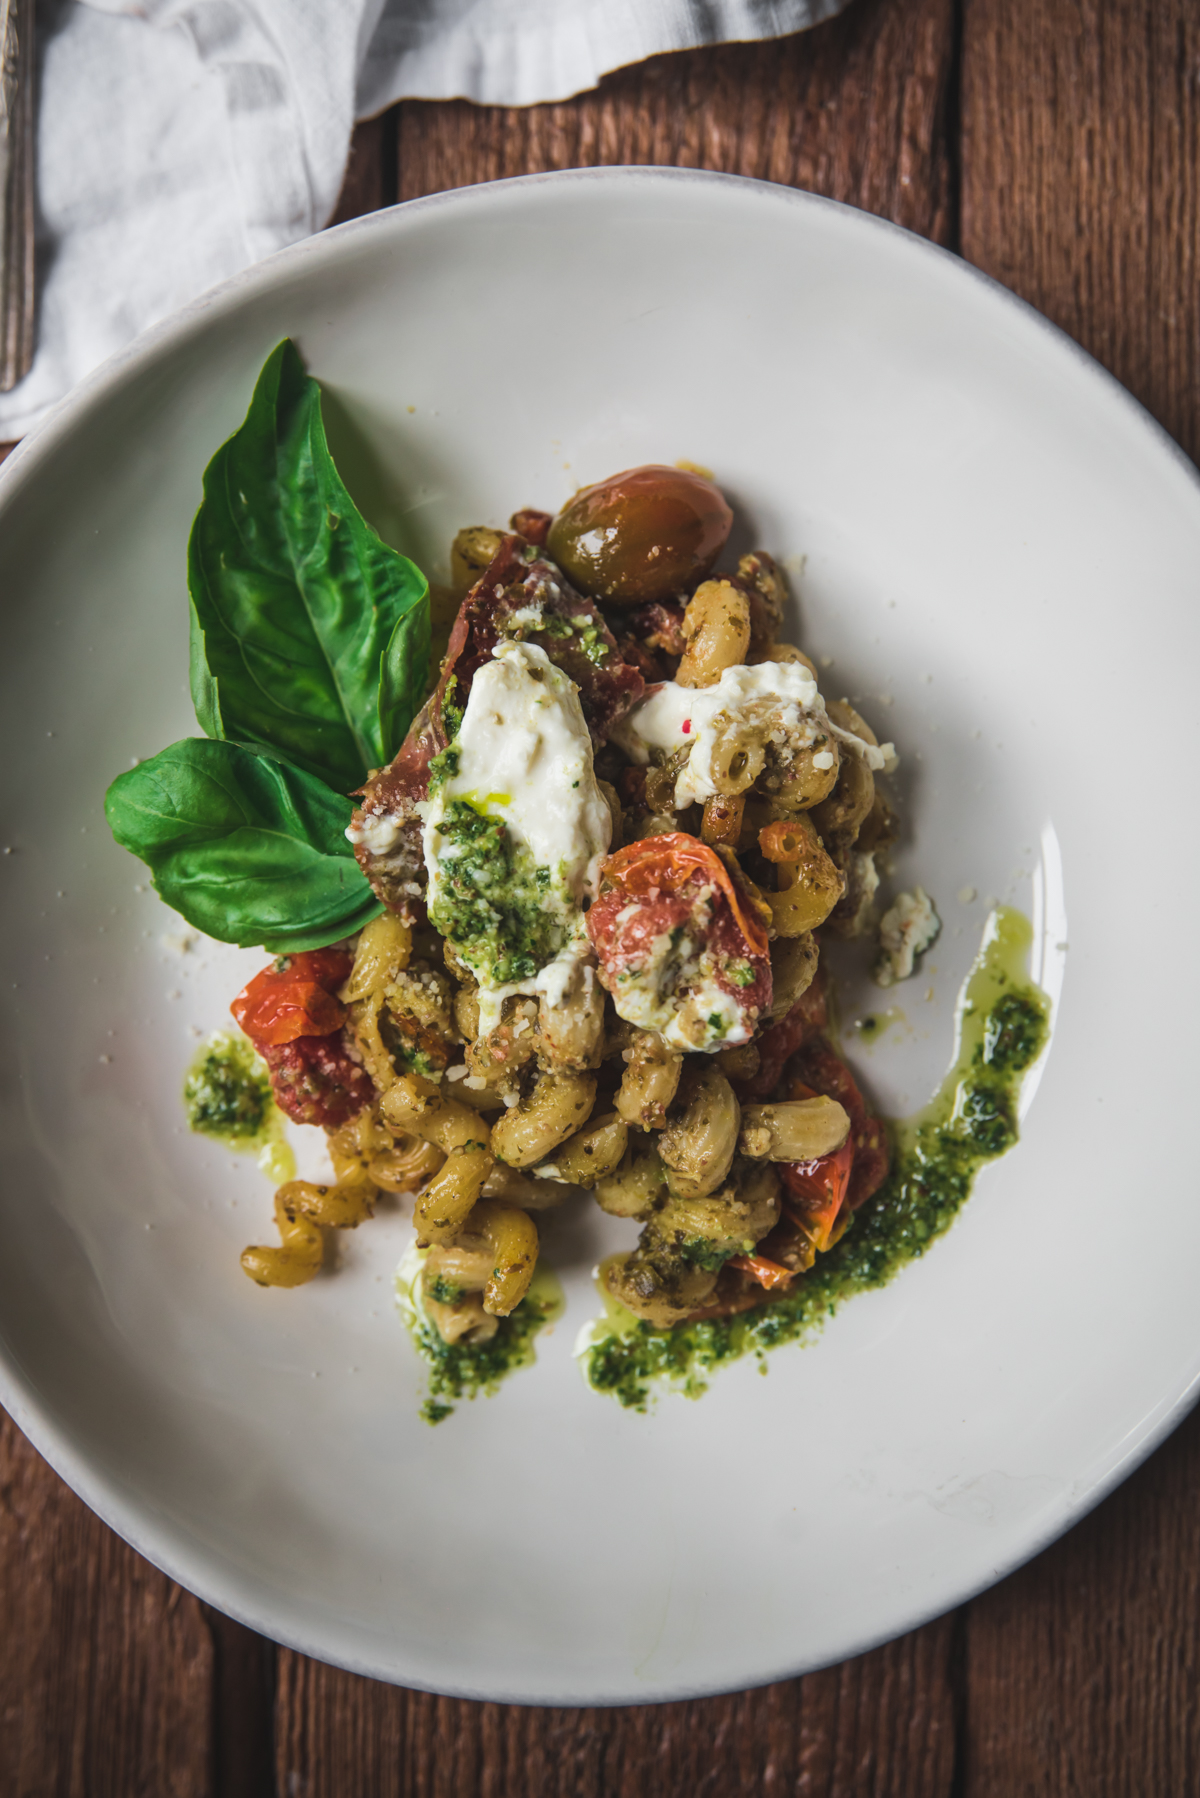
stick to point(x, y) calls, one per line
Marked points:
point(1002, 1028)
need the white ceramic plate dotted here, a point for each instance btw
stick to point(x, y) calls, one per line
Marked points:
point(999, 541)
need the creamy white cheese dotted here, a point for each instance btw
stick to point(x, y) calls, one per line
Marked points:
point(905, 930)
point(772, 702)
point(524, 756)
point(378, 833)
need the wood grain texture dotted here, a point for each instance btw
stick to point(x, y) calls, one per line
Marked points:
point(881, 1726)
point(858, 109)
point(1081, 175)
point(105, 1666)
point(1076, 1678)
point(370, 178)
point(1084, 1666)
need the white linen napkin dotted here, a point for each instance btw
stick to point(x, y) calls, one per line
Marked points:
point(182, 140)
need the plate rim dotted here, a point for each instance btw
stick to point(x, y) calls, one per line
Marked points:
point(165, 1544)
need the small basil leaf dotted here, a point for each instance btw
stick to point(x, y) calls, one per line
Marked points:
point(296, 602)
point(403, 678)
point(249, 850)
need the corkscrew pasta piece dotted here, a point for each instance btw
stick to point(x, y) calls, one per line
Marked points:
point(384, 950)
point(452, 1191)
point(470, 553)
point(300, 1209)
point(512, 1239)
point(632, 1188)
point(787, 653)
point(698, 1143)
point(512, 1187)
point(740, 1062)
point(417, 1107)
point(760, 574)
point(793, 969)
point(572, 1024)
point(593, 1152)
point(452, 1282)
point(810, 776)
point(342, 1205)
point(455, 1313)
point(796, 1130)
point(483, 1274)
point(728, 1222)
point(663, 1290)
point(407, 1165)
point(552, 1111)
point(810, 884)
point(354, 1144)
point(722, 821)
point(650, 1080)
point(716, 631)
point(296, 1261)
point(499, 1057)
point(839, 817)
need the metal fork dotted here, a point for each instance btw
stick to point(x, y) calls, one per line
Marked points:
point(16, 190)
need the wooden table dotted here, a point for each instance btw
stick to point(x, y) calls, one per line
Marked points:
point(1055, 143)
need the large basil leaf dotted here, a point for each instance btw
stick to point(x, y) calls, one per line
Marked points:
point(248, 849)
point(310, 636)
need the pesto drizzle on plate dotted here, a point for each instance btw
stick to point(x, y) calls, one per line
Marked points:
point(462, 1369)
point(972, 1119)
point(227, 1095)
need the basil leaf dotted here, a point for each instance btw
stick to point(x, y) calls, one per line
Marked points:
point(310, 636)
point(248, 849)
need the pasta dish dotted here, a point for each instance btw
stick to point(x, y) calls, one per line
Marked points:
point(555, 937)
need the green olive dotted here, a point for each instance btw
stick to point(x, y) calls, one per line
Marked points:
point(647, 534)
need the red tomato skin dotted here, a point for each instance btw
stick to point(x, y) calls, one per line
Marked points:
point(820, 1070)
point(780, 1041)
point(656, 885)
point(315, 1081)
point(294, 997)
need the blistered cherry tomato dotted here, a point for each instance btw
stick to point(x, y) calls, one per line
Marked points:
point(643, 535)
point(714, 982)
point(294, 997)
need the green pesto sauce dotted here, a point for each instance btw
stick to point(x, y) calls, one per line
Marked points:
point(227, 1095)
point(495, 903)
point(553, 624)
point(1002, 1028)
point(464, 1369)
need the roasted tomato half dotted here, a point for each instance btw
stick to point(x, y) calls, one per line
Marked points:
point(294, 997)
point(681, 940)
point(316, 1082)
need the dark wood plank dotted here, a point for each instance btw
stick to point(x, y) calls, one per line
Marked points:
point(106, 1667)
point(1081, 176)
point(370, 178)
point(881, 1726)
point(857, 109)
point(243, 1709)
point(1084, 1666)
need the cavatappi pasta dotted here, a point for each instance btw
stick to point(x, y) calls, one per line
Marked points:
point(608, 854)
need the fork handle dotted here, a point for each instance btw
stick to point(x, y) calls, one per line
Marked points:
point(17, 63)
